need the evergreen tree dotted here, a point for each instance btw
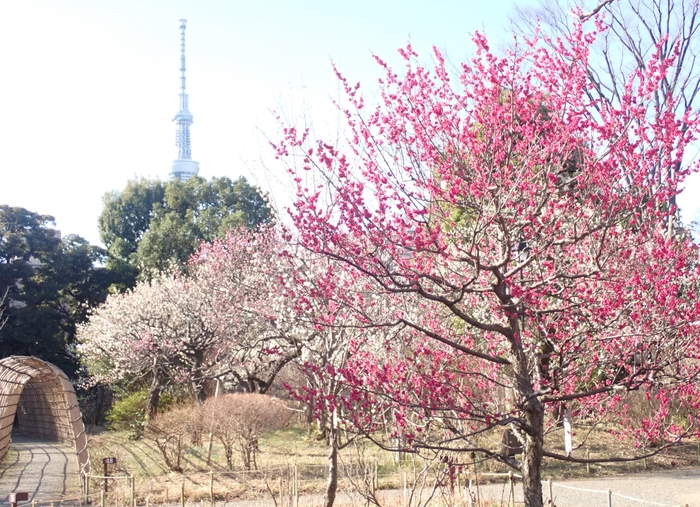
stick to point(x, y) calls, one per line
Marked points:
point(50, 284)
point(152, 227)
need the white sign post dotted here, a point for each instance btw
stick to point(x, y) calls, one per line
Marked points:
point(568, 424)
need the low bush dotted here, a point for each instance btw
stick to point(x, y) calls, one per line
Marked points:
point(238, 420)
point(128, 413)
point(173, 432)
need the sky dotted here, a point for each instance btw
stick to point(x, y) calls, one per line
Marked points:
point(90, 87)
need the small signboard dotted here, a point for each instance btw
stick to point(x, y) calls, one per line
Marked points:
point(108, 461)
point(17, 496)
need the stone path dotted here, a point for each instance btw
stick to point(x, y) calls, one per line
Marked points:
point(48, 471)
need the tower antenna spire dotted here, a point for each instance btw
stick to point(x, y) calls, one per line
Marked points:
point(183, 67)
point(183, 167)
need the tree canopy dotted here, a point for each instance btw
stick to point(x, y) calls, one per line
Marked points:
point(163, 332)
point(152, 226)
point(50, 283)
point(633, 32)
point(515, 229)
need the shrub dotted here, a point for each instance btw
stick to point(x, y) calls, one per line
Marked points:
point(237, 420)
point(129, 413)
point(172, 431)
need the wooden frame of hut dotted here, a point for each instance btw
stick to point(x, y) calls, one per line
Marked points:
point(38, 400)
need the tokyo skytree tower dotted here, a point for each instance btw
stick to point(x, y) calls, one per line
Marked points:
point(183, 167)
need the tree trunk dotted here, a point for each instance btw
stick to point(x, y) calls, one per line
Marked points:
point(101, 396)
point(200, 394)
point(310, 416)
point(532, 453)
point(332, 486)
point(229, 456)
point(531, 430)
point(246, 448)
point(154, 396)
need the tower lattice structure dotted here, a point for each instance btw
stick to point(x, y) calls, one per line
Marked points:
point(183, 167)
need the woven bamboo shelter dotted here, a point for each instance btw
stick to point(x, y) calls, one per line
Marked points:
point(38, 400)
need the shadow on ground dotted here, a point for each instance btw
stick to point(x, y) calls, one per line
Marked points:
point(48, 471)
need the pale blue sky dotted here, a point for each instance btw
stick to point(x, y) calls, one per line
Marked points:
point(89, 87)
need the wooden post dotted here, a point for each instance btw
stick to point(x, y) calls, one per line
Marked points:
point(405, 489)
point(468, 492)
point(512, 489)
point(376, 475)
point(182, 493)
point(133, 491)
point(107, 462)
point(476, 480)
point(211, 428)
point(87, 489)
point(588, 457)
point(551, 496)
point(610, 498)
point(211, 487)
point(102, 499)
point(279, 484)
point(296, 486)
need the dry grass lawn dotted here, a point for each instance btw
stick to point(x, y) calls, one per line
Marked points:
point(283, 449)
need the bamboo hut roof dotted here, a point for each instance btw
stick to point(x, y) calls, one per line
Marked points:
point(38, 400)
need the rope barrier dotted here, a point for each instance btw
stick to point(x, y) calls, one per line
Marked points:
point(287, 468)
point(638, 500)
point(486, 474)
point(216, 473)
point(578, 489)
point(107, 476)
point(609, 492)
point(601, 491)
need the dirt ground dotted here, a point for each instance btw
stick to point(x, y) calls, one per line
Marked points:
point(678, 487)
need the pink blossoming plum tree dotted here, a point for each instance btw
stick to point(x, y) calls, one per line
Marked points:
point(623, 48)
point(512, 225)
point(251, 279)
point(274, 296)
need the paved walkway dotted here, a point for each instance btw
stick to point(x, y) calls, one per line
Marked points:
point(48, 471)
point(678, 487)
